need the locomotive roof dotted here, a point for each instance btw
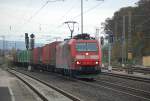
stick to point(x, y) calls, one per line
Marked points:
point(81, 40)
point(83, 36)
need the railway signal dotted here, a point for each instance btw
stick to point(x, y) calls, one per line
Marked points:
point(32, 41)
point(102, 41)
point(27, 41)
point(111, 38)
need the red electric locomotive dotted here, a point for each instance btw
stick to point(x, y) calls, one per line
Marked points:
point(79, 57)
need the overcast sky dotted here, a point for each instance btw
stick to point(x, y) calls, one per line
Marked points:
point(45, 19)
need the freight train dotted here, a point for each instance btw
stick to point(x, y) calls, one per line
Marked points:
point(78, 57)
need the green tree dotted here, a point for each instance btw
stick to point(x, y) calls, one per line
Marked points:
point(140, 30)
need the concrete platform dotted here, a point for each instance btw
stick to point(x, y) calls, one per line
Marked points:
point(12, 89)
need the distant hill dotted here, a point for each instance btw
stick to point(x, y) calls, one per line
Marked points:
point(19, 45)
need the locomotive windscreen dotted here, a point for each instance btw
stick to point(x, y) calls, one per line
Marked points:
point(88, 46)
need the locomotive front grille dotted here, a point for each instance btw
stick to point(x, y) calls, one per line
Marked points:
point(88, 69)
point(87, 57)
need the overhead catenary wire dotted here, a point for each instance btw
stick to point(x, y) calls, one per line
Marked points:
point(44, 5)
point(34, 14)
point(90, 9)
point(42, 8)
point(37, 12)
point(64, 15)
point(67, 12)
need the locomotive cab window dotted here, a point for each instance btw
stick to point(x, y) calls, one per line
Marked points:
point(81, 46)
point(86, 46)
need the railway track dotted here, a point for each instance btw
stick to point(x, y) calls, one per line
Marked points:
point(125, 89)
point(128, 89)
point(147, 80)
point(23, 77)
point(101, 88)
point(137, 93)
point(131, 77)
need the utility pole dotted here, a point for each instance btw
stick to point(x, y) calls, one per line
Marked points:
point(109, 56)
point(116, 31)
point(69, 26)
point(110, 41)
point(97, 37)
point(123, 42)
point(129, 37)
point(82, 30)
point(97, 34)
point(81, 16)
point(15, 46)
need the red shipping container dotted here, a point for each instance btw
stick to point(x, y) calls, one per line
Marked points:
point(40, 55)
point(52, 47)
point(45, 54)
point(49, 53)
point(37, 55)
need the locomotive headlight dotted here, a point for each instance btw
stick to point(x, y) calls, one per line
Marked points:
point(86, 53)
point(78, 62)
point(96, 62)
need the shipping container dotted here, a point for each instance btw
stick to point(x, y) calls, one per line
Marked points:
point(40, 55)
point(52, 47)
point(37, 55)
point(49, 53)
point(45, 55)
point(24, 56)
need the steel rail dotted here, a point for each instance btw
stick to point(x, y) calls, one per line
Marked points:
point(70, 96)
point(142, 79)
point(113, 89)
point(30, 86)
point(125, 90)
point(131, 90)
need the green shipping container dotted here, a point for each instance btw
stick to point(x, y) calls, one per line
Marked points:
point(24, 56)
